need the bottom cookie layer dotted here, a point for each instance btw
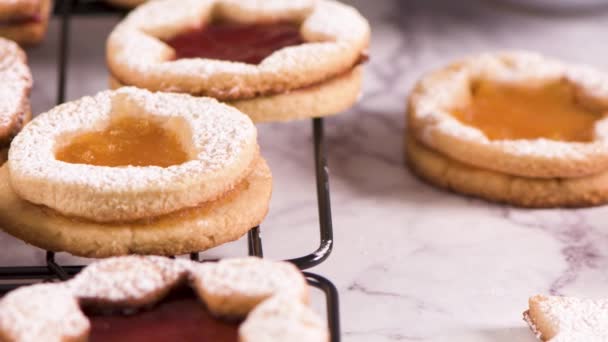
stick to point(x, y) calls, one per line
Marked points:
point(453, 175)
point(186, 231)
point(325, 99)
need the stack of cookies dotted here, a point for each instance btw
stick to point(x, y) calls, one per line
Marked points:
point(512, 127)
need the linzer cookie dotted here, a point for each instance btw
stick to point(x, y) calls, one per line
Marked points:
point(568, 319)
point(15, 89)
point(24, 21)
point(513, 127)
point(158, 299)
point(131, 171)
point(274, 60)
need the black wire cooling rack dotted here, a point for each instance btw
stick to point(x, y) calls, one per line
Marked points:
point(12, 277)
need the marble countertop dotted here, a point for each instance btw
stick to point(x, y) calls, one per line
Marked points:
point(412, 263)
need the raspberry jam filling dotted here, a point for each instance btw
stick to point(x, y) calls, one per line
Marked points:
point(550, 112)
point(246, 43)
point(179, 317)
point(127, 141)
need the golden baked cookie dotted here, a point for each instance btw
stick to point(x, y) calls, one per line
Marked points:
point(15, 89)
point(126, 3)
point(130, 171)
point(245, 299)
point(568, 319)
point(457, 176)
point(276, 60)
point(517, 113)
point(25, 21)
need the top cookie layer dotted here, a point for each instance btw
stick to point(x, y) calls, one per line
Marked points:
point(437, 94)
point(271, 295)
point(335, 34)
point(220, 141)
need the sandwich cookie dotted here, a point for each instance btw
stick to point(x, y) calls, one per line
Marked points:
point(130, 171)
point(512, 127)
point(274, 60)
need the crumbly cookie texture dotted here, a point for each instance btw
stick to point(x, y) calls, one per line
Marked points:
point(190, 230)
point(568, 319)
point(15, 90)
point(220, 141)
point(430, 121)
point(454, 175)
point(328, 98)
point(336, 36)
point(279, 311)
point(27, 33)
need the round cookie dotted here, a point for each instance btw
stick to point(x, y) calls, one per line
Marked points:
point(454, 175)
point(316, 76)
point(440, 93)
point(219, 141)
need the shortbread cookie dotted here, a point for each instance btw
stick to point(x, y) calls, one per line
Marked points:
point(15, 89)
point(515, 113)
point(246, 299)
point(129, 171)
point(329, 98)
point(25, 21)
point(219, 146)
point(454, 175)
point(568, 319)
point(276, 60)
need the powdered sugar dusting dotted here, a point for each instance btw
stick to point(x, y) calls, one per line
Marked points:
point(439, 93)
point(248, 276)
point(575, 319)
point(138, 56)
point(220, 140)
point(16, 85)
point(47, 312)
point(283, 319)
point(127, 281)
point(51, 312)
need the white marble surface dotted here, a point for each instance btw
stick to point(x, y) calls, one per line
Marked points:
point(412, 263)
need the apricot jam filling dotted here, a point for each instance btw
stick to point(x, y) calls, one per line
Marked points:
point(511, 113)
point(126, 141)
point(246, 43)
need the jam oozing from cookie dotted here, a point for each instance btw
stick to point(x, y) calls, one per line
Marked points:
point(509, 113)
point(247, 43)
point(180, 317)
point(127, 141)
